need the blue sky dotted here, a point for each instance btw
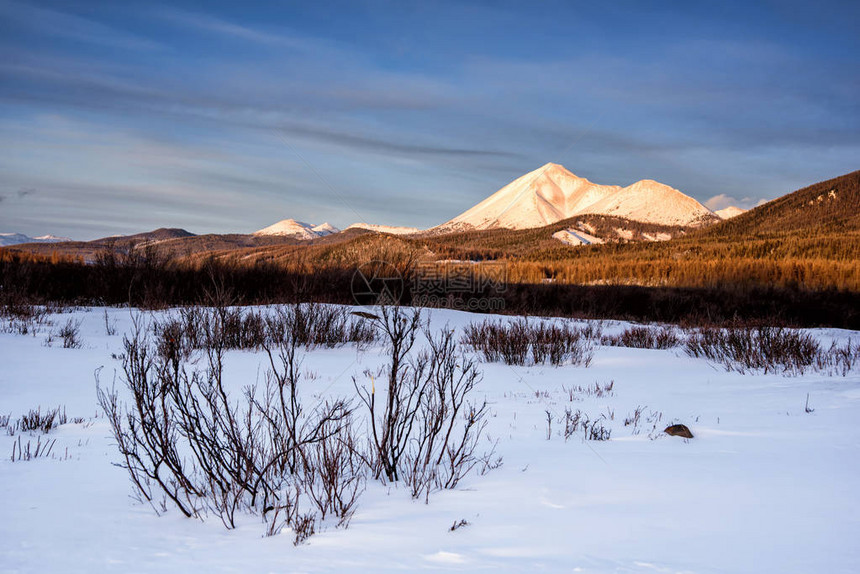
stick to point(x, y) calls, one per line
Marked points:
point(226, 117)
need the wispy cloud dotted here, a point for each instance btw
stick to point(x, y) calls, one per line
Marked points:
point(61, 24)
point(211, 24)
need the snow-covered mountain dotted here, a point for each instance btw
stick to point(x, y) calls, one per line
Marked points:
point(650, 201)
point(298, 229)
point(552, 193)
point(729, 212)
point(7, 239)
point(392, 229)
point(325, 229)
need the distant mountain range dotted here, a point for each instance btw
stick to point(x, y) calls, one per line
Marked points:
point(807, 238)
point(301, 230)
point(7, 239)
point(548, 195)
point(544, 196)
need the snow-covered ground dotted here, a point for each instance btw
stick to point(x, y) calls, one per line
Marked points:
point(575, 237)
point(764, 486)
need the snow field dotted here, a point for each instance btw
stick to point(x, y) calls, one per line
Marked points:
point(764, 486)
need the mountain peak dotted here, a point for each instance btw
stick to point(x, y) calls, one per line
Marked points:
point(325, 229)
point(556, 170)
point(552, 193)
point(289, 227)
point(550, 166)
point(651, 201)
point(729, 212)
point(7, 239)
point(298, 229)
point(648, 184)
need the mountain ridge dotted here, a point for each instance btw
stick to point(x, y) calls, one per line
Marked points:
point(552, 193)
point(831, 205)
point(298, 229)
point(9, 239)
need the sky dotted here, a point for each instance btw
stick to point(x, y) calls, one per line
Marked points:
point(225, 117)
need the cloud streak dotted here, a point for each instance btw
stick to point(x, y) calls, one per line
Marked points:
point(59, 24)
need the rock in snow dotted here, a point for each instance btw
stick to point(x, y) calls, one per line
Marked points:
point(678, 430)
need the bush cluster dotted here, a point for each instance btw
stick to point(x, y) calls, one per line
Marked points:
point(183, 436)
point(521, 342)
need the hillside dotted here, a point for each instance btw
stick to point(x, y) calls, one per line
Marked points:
point(539, 242)
point(87, 250)
point(831, 206)
point(390, 229)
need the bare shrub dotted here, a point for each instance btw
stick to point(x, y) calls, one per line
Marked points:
point(70, 334)
point(310, 324)
point(18, 309)
point(21, 318)
point(508, 342)
point(839, 359)
point(183, 434)
point(28, 451)
point(424, 431)
point(284, 512)
point(185, 439)
point(644, 338)
point(520, 342)
point(304, 527)
point(640, 420)
point(335, 473)
point(764, 349)
point(597, 390)
point(634, 419)
point(579, 422)
point(110, 325)
point(147, 433)
point(314, 325)
point(36, 420)
point(489, 461)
